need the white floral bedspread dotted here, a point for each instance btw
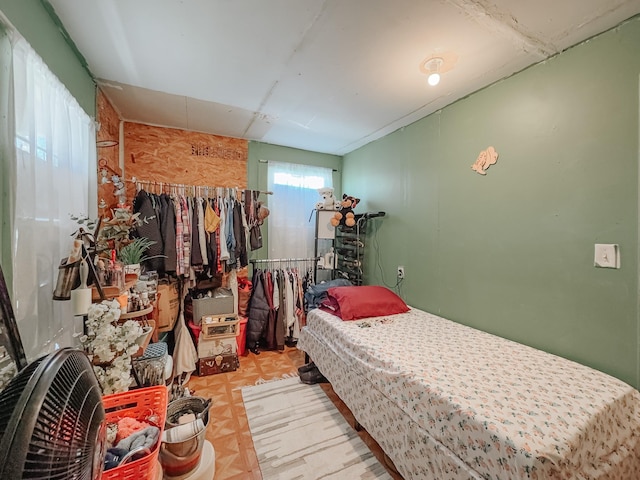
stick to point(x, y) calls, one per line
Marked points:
point(507, 410)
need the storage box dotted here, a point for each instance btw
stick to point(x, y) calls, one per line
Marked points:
point(168, 306)
point(222, 345)
point(221, 303)
point(218, 364)
point(219, 325)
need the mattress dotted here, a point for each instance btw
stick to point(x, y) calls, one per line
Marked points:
point(477, 405)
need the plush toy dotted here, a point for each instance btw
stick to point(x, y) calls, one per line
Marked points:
point(328, 201)
point(345, 216)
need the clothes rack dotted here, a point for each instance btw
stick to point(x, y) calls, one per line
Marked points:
point(284, 260)
point(276, 310)
point(308, 263)
point(195, 189)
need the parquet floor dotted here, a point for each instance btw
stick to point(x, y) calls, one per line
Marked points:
point(228, 429)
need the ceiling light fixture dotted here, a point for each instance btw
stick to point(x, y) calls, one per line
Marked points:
point(432, 68)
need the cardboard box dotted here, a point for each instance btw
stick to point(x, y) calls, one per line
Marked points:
point(221, 303)
point(223, 345)
point(218, 364)
point(213, 326)
point(168, 306)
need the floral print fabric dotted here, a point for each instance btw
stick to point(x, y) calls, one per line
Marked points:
point(505, 410)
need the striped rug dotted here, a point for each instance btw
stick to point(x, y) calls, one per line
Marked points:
point(298, 433)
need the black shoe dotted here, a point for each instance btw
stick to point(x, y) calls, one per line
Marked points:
point(306, 368)
point(313, 376)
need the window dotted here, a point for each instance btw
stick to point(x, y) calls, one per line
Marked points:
point(295, 194)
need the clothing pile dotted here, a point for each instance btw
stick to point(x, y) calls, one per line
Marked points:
point(129, 438)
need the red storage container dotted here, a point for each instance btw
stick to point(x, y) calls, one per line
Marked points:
point(242, 335)
point(139, 404)
point(195, 332)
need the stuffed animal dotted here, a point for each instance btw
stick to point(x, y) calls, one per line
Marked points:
point(328, 201)
point(345, 215)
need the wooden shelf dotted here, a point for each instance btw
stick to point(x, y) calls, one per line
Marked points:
point(110, 293)
point(139, 313)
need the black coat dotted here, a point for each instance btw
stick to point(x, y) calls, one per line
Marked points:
point(258, 311)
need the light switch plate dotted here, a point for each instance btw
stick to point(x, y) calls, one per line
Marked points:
point(607, 255)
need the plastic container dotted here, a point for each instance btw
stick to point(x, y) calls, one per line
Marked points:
point(242, 335)
point(195, 331)
point(144, 404)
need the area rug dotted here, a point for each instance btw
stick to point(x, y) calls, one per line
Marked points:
point(298, 433)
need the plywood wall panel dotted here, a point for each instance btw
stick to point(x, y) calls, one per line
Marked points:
point(178, 156)
point(109, 122)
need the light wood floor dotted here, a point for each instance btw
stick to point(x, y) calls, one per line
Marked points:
point(228, 430)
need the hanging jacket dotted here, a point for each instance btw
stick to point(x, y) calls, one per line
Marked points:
point(168, 230)
point(149, 228)
point(240, 238)
point(281, 327)
point(270, 331)
point(196, 223)
point(258, 311)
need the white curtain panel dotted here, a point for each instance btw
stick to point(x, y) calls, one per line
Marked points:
point(54, 153)
point(295, 194)
point(6, 152)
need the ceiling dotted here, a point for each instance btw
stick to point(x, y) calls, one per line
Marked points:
point(321, 75)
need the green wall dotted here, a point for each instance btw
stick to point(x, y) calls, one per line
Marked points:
point(31, 19)
point(512, 252)
point(259, 156)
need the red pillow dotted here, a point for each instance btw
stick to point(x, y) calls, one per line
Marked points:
point(352, 303)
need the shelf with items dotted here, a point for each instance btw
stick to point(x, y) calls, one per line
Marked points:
point(349, 245)
point(349, 248)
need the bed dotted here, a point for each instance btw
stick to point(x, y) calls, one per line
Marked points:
point(446, 401)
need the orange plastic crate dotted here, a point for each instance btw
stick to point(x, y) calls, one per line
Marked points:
point(139, 404)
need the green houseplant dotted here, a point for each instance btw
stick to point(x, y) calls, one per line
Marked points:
point(133, 253)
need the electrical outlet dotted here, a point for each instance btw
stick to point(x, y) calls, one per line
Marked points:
point(400, 272)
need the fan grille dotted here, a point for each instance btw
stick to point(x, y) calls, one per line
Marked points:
point(10, 396)
point(64, 435)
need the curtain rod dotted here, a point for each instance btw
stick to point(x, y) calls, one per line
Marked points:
point(181, 185)
point(280, 260)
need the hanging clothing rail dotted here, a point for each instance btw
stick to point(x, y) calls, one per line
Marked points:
point(284, 260)
point(188, 187)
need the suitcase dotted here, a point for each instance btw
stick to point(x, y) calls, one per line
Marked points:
point(218, 364)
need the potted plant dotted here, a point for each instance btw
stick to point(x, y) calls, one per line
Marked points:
point(133, 254)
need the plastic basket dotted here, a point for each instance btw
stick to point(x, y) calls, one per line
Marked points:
point(139, 404)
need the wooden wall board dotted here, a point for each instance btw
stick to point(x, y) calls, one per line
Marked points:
point(179, 156)
point(109, 122)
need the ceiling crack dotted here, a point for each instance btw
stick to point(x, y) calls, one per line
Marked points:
point(486, 14)
point(259, 113)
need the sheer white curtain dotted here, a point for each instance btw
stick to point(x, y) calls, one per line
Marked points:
point(295, 194)
point(53, 155)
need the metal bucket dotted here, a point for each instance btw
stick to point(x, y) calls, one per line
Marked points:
point(179, 458)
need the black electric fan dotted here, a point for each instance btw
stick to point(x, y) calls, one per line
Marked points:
point(51, 420)
point(51, 417)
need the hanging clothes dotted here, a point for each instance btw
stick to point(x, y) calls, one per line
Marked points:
point(258, 312)
point(195, 236)
point(149, 227)
point(168, 231)
point(276, 308)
